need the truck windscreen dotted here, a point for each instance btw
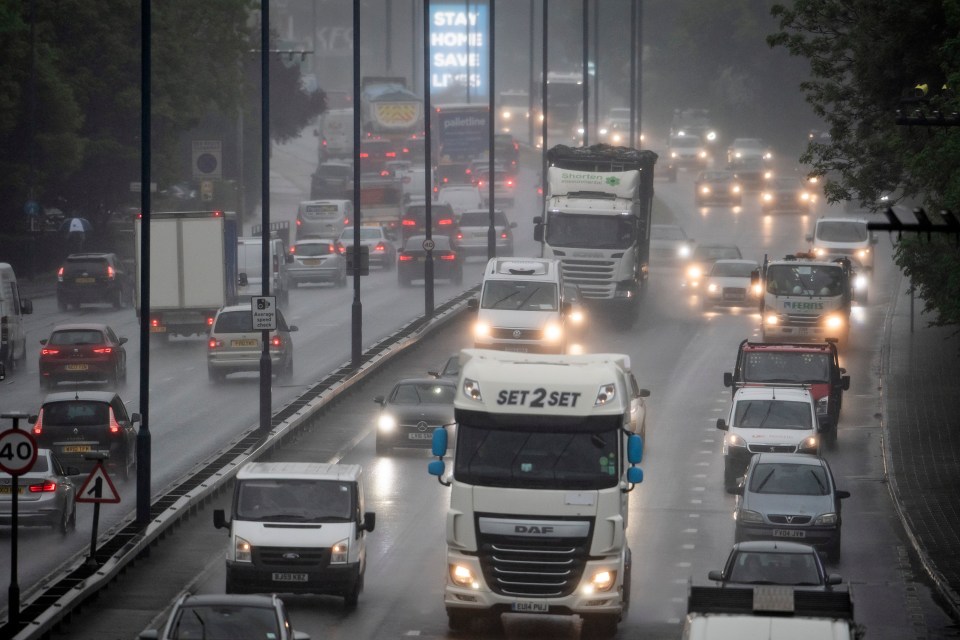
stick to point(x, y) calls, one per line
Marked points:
point(805, 279)
point(586, 231)
point(519, 458)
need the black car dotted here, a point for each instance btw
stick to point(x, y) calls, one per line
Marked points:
point(75, 424)
point(411, 261)
point(413, 222)
point(703, 257)
point(787, 194)
point(91, 278)
point(718, 187)
point(775, 562)
point(412, 411)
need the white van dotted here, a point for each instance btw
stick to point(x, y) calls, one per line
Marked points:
point(297, 527)
point(521, 306)
point(249, 261)
point(844, 237)
point(13, 335)
point(323, 218)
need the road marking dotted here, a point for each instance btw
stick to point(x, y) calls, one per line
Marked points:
point(698, 489)
point(690, 530)
point(696, 501)
point(688, 547)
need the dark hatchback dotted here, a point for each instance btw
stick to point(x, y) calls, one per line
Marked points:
point(76, 424)
point(412, 259)
point(413, 222)
point(87, 352)
point(93, 278)
point(718, 187)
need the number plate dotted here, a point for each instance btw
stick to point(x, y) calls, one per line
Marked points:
point(158, 329)
point(311, 262)
point(420, 435)
point(6, 491)
point(516, 349)
point(243, 343)
point(76, 367)
point(804, 331)
point(789, 533)
point(290, 577)
point(85, 280)
point(530, 607)
point(77, 448)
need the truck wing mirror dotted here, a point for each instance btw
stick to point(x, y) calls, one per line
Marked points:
point(754, 277)
point(473, 304)
point(715, 575)
point(3, 371)
point(727, 379)
point(634, 449)
point(378, 399)
point(220, 519)
point(538, 232)
point(845, 383)
point(26, 306)
point(722, 425)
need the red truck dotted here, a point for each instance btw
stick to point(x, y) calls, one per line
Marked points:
point(816, 365)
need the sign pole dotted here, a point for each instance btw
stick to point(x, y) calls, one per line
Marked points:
point(18, 452)
point(92, 558)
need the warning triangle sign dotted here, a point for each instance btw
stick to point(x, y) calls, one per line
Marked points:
point(98, 487)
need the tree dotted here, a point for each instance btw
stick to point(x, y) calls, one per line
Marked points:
point(865, 58)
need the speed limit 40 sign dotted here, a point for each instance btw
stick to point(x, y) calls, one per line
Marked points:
point(18, 451)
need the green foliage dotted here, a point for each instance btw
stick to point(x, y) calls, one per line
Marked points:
point(865, 58)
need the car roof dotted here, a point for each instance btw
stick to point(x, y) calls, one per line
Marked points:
point(778, 546)
point(316, 240)
point(790, 458)
point(425, 380)
point(250, 600)
point(80, 326)
point(96, 396)
point(812, 347)
point(317, 470)
point(85, 256)
point(839, 219)
point(735, 261)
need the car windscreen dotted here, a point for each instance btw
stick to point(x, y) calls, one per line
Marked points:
point(223, 621)
point(842, 231)
point(773, 366)
point(732, 269)
point(295, 500)
point(685, 142)
point(78, 413)
point(763, 567)
point(773, 414)
point(75, 337)
point(517, 295)
point(314, 249)
point(423, 393)
point(790, 479)
point(234, 322)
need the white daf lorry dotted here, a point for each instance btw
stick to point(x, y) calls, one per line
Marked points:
point(597, 222)
point(544, 463)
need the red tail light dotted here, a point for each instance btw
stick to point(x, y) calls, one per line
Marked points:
point(449, 257)
point(342, 249)
point(46, 487)
point(276, 341)
point(391, 154)
point(346, 221)
point(210, 321)
point(509, 183)
point(60, 274)
point(445, 222)
point(409, 223)
point(380, 247)
point(110, 272)
point(468, 171)
point(331, 248)
point(293, 249)
point(504, 235)
point(384, 173)
point(364, 155)
point(114, 425)
point(103, 350)
point(38, 425)
point(459, 236)
point(154, 322)
point(299, 222)
point(46, 351)
point(404, 258)
point(213, 343)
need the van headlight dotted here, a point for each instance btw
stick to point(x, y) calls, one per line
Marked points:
point(601, 581)
point(481, 329)
point(747, 516)
point(340, 552)
point(809, 445)
point(552, 332)
point(242, 550)
point(386, 423)
point(733, 440)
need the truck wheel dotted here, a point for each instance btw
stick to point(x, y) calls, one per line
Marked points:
point(459, 620)
point(600, 627)
point(352, 597)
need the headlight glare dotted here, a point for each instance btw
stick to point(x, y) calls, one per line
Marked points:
point(462, 576)
point(810, 444)
point(386, 423)
point(340, 552)
point(481, 330)
point(602, 581)
point(733, 440)
point(834, 321)
point(552, 332)
point(772, 319)
point(242, 550)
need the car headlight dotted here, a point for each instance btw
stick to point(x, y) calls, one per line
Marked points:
point(601, 581)
point(772, 319)
point(705, 190)
point(809, 445)
point(703, 155)
point(481, 330)
point(805, 196)
point(733, 440)
point(462, 576)
point(576, 317)
point(862, 253)
point(711, 136)
point(820, 252)
point(505, 115)
point(768, 175)
point(735, 188)
point(673, 154)
point(826, 519)
point(386, 423)
point(757, 290)
point(768, 156)
point(683, 251)
point(834, 321)
point(694, 272)
point(747, 516)
point(823, 406)
point(737, 154)
point(603, 131)
point(242, 550)
point(767, 197)
point(340, 552)
point(712, 287)
point(552, 332)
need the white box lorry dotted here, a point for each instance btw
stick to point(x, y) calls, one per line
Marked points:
point(297, 527)
point(193, 269)
point(597, 222)
point(544, 463)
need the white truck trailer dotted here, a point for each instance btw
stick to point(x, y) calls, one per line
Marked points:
point(538, 504)
point(597, 222)
point(193, 269)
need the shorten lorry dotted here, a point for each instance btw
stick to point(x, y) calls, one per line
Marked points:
point(805, 299)
point(193, 269)
point(545, 459)
point(597, 223)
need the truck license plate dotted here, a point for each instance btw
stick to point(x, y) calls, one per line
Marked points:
point(530, 607)
point(290, 577)
point(788, 533)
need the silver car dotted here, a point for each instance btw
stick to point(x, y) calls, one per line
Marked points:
point(790, 496)
point(45, 495)
point(316, 261)
point(234, 346)
point(239, 617)
point(474, 226)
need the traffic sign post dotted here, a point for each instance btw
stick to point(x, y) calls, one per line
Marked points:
point(97, 488)
point(18, 453)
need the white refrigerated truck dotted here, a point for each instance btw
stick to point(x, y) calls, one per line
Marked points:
point(193, 269)
point(538, 504)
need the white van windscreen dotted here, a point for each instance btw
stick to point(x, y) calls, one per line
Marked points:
point(292, 500)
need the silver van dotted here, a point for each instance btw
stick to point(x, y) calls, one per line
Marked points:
point(13, 335)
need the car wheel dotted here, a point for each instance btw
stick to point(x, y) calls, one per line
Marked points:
point(62, 304)
point(730, 477)
point(215, 375)
point(833, 551)
point(352, 597)
point(68, 522)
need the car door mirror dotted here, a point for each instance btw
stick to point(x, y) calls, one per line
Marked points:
point(845, 383)
point(71, 471)
point(369, 521)
point(122, 341)
point(513, 225)
point(644, 393)
point(841, 494)
point(26, 306)
point(834, 578)
point(473, 304)
point(44, 341)
point(220, 519)
point(378, 399)
point(293, 328)
point(135, 417)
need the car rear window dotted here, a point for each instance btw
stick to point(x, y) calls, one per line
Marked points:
point(85, 264)
point(75, 413)
point(482, 219)
point(76, 336)
point(314, 249)
point(234, 322)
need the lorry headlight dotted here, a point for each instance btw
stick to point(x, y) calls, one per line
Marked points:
point(809, 445)
point(747, 516)
point(683, 251)
point(386, 423)
point(767, 197)
point(735, 188)
point(733, 440)
point(576, 317)
point(471, 389)
point(757, 289)
point(242, 550)
point(834, 321)
point(603, 580)
point(605, 394)
point(340, 552)
point(705, 190)
point(772, 319)
point(826, 519)
point(823, 406)
point(860, 283)
point(694, 272)
point(481, 330)
point(462, 576)
point(552, 332)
